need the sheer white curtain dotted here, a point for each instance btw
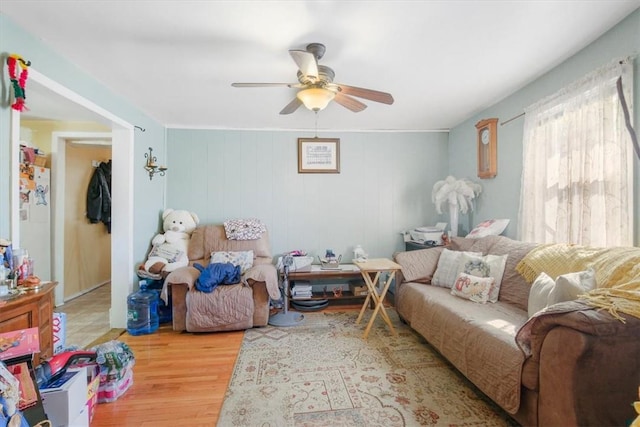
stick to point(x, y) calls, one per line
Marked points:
point(577, 177)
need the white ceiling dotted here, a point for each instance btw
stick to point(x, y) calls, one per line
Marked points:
point(443, 61)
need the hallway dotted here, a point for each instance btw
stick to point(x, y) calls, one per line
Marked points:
point(87, 316)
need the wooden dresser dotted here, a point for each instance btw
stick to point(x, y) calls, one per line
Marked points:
point(29, 310)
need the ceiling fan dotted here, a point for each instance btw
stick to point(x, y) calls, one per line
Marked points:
point(316, 85)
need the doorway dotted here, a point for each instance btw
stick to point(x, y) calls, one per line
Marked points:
point(122, 202)
point(82, 251)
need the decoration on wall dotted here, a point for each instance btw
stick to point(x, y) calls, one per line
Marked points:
point(318, 155)
point(458, 195)
point(18, 82)
point(151, 166)
point(487, 148)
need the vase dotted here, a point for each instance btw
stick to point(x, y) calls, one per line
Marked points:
point(453, 216)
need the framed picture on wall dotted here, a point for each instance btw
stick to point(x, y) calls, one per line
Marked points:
point(318, 155)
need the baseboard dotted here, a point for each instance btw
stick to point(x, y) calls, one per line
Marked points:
point(86, 291)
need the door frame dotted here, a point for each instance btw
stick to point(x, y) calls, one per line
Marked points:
point(59, 141)
point(122, 134)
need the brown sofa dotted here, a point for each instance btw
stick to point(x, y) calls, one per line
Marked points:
point(228, 307)
point(571, 365)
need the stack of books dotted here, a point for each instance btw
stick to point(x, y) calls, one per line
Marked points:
point(301, 291)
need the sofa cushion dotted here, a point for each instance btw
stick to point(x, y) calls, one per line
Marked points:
point(492, 227)
point(473, 288)
point(539, 294)
point(514, 288)
point(244, 259)
point(569, 286)
point(478, 339)
point(486, 266)
point(545, 291)
point(420, 264)
point(449, 267)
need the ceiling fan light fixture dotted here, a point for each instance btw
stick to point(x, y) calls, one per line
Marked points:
point(316, 98)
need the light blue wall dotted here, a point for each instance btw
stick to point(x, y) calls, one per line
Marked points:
point(384, 186)
point(386, 179)
point(501, 195)
point(148, 199)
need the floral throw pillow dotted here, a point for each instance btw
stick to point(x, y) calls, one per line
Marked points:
point(473, 288)
point(486, 266)
point(244, 259)
point(491, 227)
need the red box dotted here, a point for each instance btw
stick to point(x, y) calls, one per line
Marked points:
point(19, 343)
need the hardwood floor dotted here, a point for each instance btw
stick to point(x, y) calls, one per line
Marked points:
point(179, 379)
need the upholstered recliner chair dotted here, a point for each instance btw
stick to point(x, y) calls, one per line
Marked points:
point(229, 307)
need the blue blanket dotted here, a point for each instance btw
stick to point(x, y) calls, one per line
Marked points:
point(216, 274)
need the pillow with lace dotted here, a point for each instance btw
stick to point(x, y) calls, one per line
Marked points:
point(244, 259)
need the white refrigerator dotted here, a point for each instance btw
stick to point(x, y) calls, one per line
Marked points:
point(35, 217)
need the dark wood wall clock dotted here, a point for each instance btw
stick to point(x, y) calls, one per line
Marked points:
point(487, 148)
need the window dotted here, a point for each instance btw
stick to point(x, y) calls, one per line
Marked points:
point(577, 177)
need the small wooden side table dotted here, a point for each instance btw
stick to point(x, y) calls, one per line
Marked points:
point(371, 270)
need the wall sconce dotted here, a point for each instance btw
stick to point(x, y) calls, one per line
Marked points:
point(151, 166)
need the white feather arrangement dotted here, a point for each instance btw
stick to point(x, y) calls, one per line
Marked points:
point(456, 192)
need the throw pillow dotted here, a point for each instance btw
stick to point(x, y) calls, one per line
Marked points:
point(486, 266)
point(492, 227)
point(166, 251)
point(569, 286)
point(449, 267)
point(244, 259)
point(473, 288)
point(545, 292)
point(539, 293)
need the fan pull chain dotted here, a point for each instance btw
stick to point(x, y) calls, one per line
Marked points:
point(316, 124)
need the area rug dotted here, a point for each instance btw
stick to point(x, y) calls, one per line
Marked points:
point(322, 373)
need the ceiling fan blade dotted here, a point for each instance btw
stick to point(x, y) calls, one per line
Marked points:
point(265, 84)
point(292, 106)
point(306, 62)
point(372, 95)
point(349, 102)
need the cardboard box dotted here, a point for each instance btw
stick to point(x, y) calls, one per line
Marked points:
point(18, 343)
point(358, 289)
point(82, 420)
point(59, 332)
point(65, 398)
point(40, 161)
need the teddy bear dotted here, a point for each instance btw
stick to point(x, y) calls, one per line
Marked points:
point(169, 249)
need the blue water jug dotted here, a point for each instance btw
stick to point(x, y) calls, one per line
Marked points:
point(142, 311)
